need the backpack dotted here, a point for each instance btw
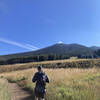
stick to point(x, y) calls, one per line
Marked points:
point(41, 78)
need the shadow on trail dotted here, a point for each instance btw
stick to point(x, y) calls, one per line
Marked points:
point(31, 96)
point(28, 98)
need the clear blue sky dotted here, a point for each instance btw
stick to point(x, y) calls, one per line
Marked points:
point(27, 25)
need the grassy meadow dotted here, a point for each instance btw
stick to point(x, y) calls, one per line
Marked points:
point(4, 92)
point(69, 63)
point(47, 64)
point(65, 84)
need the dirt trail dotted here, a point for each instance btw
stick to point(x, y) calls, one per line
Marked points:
point(17, 93)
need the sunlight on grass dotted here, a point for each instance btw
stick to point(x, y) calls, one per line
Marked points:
point(65, 84)
point(4, 94)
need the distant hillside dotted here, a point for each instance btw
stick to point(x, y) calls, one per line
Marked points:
point(95, 48)
point(68, 49)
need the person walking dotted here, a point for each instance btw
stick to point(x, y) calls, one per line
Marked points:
point(41, 79)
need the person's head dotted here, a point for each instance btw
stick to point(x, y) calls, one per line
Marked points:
point(39, 68)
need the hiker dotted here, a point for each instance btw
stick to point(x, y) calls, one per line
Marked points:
point(41, 79)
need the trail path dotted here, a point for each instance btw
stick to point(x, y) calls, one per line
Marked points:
point(17, 93)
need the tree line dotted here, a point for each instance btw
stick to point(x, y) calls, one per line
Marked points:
point(34, 58)
point(38, 58)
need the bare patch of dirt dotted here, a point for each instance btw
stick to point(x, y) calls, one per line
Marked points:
point(18, 93)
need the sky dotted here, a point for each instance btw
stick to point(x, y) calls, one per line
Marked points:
point(28, 25)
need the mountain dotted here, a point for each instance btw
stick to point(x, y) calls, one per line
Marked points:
point(95, 48)
point(64, 49)
point(58, 49)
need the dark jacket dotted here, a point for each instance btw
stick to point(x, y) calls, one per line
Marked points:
point(37, 77)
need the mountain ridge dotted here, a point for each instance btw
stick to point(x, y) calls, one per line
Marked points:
point(95, 47)
point(58, 48)
point(53, 52)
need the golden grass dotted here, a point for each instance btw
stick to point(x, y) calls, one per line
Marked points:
point(65, 84)
point(4, 94)
point(52, 64)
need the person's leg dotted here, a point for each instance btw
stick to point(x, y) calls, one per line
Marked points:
point(41, 98)
point(36, 98)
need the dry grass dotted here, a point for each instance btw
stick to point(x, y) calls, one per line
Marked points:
point(4, 94)
point(70, 63)
point(65, 84)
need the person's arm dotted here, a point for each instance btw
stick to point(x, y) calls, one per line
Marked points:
point(47, 79)
point(34, 79)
